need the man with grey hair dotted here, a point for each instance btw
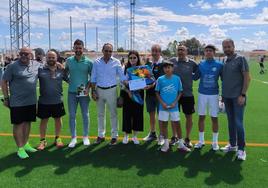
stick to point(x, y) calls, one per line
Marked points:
point(19, 90)
point(235, 83)
point(151, 100)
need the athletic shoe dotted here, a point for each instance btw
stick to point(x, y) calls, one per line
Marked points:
point(161, 140)
point(164, 148)
point(58, 142)
point(22, 153)
point(125, 139)
point(72, 143)
point(199, 145)
point(228, 148)
point(99, 140)
point(42, 145)
point(241, 155)
point(183, 148)
point(173, 141)
point(187, 143)
point(135, 140)
point(113, 142)
point(29, 148)
point(86, 141)
point(150, 137)
point(215, 146)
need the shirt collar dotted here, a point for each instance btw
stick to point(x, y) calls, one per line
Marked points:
point(186, 59)
point(231, 57)
point(159, 61)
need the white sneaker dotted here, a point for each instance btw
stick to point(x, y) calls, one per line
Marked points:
point(125, 139)
point(183, 148)
point(199, 145)
point(241, 155)
point(165, 148)
point(228, 148)
point(161, 140)
point(86, 141)
point(72, 143)
point(215, 146)
point(135, 140)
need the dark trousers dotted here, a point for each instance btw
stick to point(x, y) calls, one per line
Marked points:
point(132, 114)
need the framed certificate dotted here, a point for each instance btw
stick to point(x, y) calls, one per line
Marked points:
point(137, 84)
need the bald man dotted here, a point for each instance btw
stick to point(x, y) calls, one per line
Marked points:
point(50, 102)
point(19, 90)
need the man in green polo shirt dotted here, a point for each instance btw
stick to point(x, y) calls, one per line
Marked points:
point(78, 68)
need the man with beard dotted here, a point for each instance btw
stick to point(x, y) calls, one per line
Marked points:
point(19, 90)
point(78, 68)
point(50, 102)
point(235, 84)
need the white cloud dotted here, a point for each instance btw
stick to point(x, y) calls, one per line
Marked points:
point(37, 35)
point(217, 33)
point(201, 4)
point(237, 4)
point(260, 34)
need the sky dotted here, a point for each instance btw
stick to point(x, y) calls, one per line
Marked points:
point(156, 21)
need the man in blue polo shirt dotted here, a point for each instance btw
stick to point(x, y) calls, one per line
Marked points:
point(78, 67)
point(209, 71)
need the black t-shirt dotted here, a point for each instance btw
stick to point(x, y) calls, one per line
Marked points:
point(157, 70)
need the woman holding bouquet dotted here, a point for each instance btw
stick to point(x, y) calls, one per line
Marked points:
point(132, 110)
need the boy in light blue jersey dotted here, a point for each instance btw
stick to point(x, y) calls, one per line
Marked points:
point(168, 92)
point(209, 71)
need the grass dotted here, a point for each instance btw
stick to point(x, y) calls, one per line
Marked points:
point(141, 166)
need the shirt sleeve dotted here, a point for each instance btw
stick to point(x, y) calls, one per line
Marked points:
point(157, 87)
point(8, 73)
point(180, 85)
point(244, 65)
point(197, 73)
point(94, 73)
point(120, 72)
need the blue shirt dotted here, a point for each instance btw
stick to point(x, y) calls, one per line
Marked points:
point(169, 89)
point(79, 72)
point(209, 72)
point(105, 74)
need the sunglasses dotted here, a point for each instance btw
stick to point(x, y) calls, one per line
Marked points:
point(24, 54)
point(132, 57)
point(181, 49)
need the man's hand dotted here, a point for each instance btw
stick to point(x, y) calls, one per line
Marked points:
point(94, 95)
point(241, 100)
point(165, 106)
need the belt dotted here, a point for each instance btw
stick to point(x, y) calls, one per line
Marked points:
point(106, 87)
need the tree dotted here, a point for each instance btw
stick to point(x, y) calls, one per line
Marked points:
point(194, 46)
point(121, 49)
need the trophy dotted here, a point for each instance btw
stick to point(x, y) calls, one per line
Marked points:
point(81, 90)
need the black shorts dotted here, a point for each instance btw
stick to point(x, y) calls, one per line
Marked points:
point(187, 104)
point(22, 114)
point(50, 110)
point(261, 65)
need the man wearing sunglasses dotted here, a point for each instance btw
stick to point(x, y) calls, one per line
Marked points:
point(19, 90)
point(104, 81)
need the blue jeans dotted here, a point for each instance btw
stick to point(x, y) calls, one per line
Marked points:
point(72, 107)
point(235, 115)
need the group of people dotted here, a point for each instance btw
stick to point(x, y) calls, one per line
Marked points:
point(171, 93)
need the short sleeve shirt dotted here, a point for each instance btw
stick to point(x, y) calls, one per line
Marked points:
point(22, 82)
point(232, 76)
point(169, 89)
point(79, 72)
point(50, 85)
point(185, 70)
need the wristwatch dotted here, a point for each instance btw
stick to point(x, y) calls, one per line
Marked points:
point(243, 95)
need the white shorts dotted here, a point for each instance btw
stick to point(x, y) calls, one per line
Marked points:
point(164, 116)
point(210, 102)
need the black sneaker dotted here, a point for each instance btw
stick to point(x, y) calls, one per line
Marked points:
point(113, 141)
point(173, 141)
point(150, 137)
point(99, 140)
point(187, 143)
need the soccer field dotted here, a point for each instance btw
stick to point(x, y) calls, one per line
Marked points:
point(141, 165)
